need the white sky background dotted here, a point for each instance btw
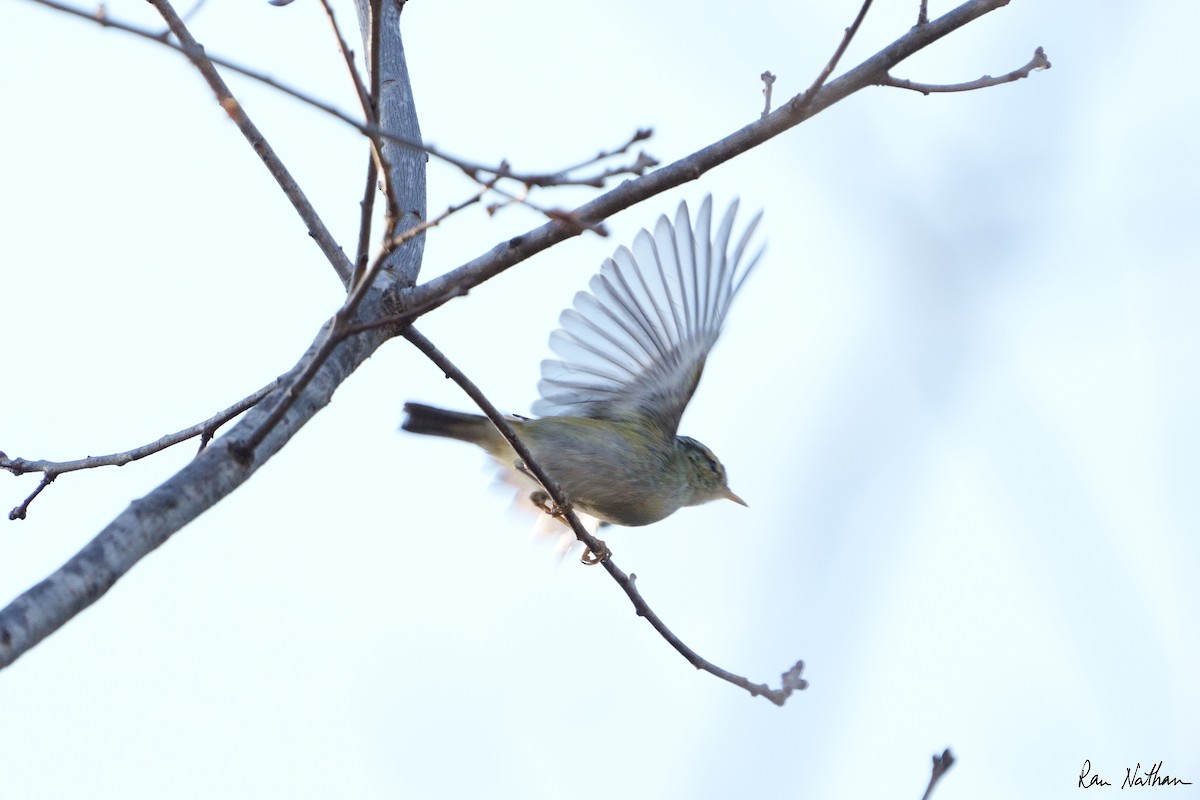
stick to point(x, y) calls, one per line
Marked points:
point(959, 396)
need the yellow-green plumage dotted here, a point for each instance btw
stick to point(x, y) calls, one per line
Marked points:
point(632, 352)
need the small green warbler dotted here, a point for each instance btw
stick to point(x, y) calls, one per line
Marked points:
point(632, 351)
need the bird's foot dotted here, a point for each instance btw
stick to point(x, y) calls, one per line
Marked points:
point(542, 499)
point(592, 559)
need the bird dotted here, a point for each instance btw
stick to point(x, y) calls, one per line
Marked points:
point(631, 351)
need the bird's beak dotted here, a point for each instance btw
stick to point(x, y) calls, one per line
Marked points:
point(728, 494)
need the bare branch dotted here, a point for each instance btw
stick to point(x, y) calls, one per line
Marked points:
point(808, 96)
point(220, 469)
point(791, 680)
point(450, 211)
point(378, 166)
point(364, 95)
point(287, 183)
point(367, 210)
point(923, 13)
point(459, 281)
point(564, 224)
point(470, 168)
point(548, 483)
point(52, 469)
point(228, 462)
point(340, 326)
point(941, 765)
point(768, 80)
point(1038, 62)
point(20, 511)
point(563, 177)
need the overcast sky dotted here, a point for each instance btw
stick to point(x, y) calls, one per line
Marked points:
point(958, 395)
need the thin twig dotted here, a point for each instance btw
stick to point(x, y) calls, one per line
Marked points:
point(923, 13)
point(20, 511)
point(460, 280)
point(364, 96)
point(339, 327)
point(555, 214)
point(563, 224)
point(367, 100)
point(563, 177)
point(475, 393)
point(468, 167)
point(316, 228)
point(1038, 62)
point(204, 482)
point(941, 765)
point(433, 222)
point(363, 251)
point(791, 680)
point(768, 80)
point(367, 207)
point(811, 93)
point(52, 469)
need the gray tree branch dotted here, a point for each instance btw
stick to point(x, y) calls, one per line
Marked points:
point(225, 465)
point(386, 293)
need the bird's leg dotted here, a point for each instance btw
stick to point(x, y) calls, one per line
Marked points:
point(541, 499)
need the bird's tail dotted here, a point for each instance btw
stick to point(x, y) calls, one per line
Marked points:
point(434, 421)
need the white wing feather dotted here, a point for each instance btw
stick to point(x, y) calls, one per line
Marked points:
point(635, 345)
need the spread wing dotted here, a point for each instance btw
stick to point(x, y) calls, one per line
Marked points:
point(635, 345)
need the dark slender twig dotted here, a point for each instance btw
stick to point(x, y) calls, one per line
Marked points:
point(768, 80)
point(367, 205)
point(193, 11)
point(367, 100)
point(811, 93)
point(153, 519)
point(570, 223)
point(20, 511)
point(460, 280)
point(941, 765)
point(433, 222)
point(1039, 61)
point(468, 167)
point(553, 214)
point(52, 469)
point(791, 680)
point(923, 13)
point(274, 165)
point(364, 95)
point(563, 176)
point(340, 326)
point(548, 483)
